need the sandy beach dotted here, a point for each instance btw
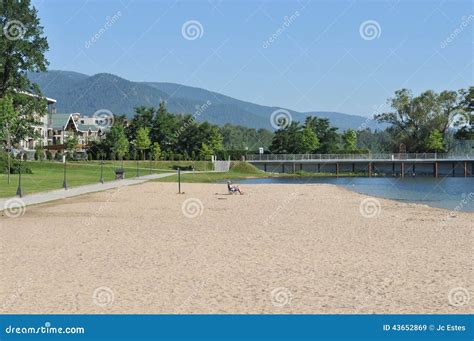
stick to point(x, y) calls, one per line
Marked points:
point(316, 249)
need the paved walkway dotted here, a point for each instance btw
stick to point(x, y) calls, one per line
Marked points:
point(43, 197)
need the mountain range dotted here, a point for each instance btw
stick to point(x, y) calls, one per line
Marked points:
point(77, 92)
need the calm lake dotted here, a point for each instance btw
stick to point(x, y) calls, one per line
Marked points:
point(445, 192)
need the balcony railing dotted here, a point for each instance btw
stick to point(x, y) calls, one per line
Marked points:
point(356, 157)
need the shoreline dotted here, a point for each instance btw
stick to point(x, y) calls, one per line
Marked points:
point(282, 249)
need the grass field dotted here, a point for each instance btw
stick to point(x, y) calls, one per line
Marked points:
point(49, 175)
point(239, 170)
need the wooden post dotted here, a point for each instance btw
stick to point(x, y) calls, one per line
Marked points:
point(370, 169)
point(402, 169)
point(435, 170)
point(465, 168)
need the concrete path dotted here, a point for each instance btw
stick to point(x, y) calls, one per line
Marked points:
point(43, 197)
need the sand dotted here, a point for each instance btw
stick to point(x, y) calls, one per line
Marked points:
point(276, 249)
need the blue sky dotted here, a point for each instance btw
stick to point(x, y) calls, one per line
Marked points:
point(320, 60)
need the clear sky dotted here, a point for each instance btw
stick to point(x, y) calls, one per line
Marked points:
point(321, 57)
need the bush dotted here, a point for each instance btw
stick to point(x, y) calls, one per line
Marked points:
point(39, 154)
point(58, 156)
point(49, 155)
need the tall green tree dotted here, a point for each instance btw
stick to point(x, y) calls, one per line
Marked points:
point(22, 46)
point(22, 50)
point(116, 140)
point(70, 144)
point(306, 141)
point(434, 142)
point(142, 140)
point(327, 134)
point(413, 118)
point(8, 119)
point(349, 138)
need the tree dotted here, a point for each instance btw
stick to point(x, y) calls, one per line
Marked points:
point(205, 152)
point(70, 144)
point(22, 46)
point(413, 118)
point(349, 137)
point(435, 142)
point(116, 140)
point(8, 119)
point(327, 135)
point(466, 131)
point(156, 151)
point(143, 141)
point(306, 141)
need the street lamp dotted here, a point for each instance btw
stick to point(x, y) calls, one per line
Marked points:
point(65, 170)
point(19, 191)
point(102, 170)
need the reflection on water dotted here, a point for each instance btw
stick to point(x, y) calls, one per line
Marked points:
point(448, 192)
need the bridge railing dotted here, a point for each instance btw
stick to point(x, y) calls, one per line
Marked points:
point(394, 156)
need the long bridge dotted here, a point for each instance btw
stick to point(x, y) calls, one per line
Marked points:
point(397, 164)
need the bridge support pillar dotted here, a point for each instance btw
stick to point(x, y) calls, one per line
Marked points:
point(353, 168)
point(435, 169)
point(319, 168)
point(283, 168)
point(465, 168)
point(454, 168)
point(393, 169)
point(402, 169)
point(264, 167)
point(301, 167)
point(294, 168)
point(370, 169)
point(337, 169)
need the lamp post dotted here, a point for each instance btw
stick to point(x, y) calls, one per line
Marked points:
point(102, 170)
point(138, 174)
point(65, 170)
point(19, 191)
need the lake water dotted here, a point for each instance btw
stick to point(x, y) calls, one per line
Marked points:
point(448, 192)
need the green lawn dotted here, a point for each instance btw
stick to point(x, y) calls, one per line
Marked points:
point(239, 170)
point(48, 175)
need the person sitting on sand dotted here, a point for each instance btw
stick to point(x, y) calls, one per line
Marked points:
point(233, 188)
